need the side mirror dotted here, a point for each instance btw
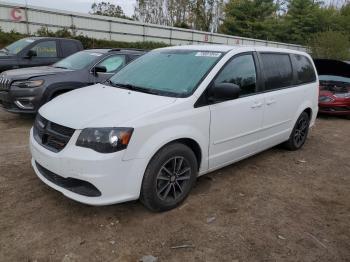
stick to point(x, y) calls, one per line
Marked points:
point(99, 69)
point(31, 53)
point(224, 91)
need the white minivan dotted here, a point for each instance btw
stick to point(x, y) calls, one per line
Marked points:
point(170, 116)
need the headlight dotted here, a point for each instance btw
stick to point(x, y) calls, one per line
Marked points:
point(28, 83)
point(342, 95)
point(105, 140)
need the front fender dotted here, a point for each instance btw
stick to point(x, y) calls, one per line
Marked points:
point(53, 88)
point(159, 131)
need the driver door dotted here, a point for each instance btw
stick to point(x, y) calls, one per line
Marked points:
point(46, 54)
point(235, 124)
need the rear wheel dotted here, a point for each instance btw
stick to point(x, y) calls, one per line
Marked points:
point(299, 133)
point(169, 177)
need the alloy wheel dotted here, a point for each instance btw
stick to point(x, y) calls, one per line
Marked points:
point(301, 131)
point(173, 178)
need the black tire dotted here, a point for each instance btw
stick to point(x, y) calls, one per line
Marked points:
point(299, 133)
point(169, 177)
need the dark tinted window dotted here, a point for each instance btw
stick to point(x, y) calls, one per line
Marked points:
point(277, 70)
point(304, 69)
point(69, 47)
point(240, 71)
point(46, 49)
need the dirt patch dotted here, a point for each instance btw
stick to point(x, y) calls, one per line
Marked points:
point(276, 206)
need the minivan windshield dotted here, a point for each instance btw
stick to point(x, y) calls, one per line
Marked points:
point(166, 72)
point(17, 46)
point(78, 60)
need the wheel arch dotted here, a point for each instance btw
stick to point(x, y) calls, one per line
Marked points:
point(308, 110)
point(189, 142)
point(54, 90)
point(190, 137)
point(305, 107)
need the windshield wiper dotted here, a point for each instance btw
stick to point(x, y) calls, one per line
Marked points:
point(134, 88)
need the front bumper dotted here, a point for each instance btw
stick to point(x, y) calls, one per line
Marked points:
point(116, 180)
point(335, 108)
point(21, 100)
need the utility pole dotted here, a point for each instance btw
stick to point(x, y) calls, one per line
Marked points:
point(26, 14)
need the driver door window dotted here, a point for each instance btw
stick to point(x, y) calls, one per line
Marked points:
point(113, 63)
point(45, 49)
point(240, 71)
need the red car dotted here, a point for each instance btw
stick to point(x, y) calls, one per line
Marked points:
point(334, 96)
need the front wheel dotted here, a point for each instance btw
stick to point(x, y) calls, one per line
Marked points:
point(299, 133)
point(169, 177)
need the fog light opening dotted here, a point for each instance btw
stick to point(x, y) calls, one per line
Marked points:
point(24, 104)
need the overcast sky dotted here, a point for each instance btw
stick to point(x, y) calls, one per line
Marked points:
point(77, 5)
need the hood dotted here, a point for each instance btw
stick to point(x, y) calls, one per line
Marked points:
point(101, 106)
point(25, 73)
point(332, 67)
point(4, 56)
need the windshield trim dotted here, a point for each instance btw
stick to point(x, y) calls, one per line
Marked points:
point(188, 94)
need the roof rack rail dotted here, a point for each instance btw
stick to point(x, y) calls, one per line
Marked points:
point(128, 49)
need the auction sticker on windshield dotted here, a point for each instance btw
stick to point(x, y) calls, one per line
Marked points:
point(208, 54)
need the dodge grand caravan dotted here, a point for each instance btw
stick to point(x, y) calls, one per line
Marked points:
point(172, 115)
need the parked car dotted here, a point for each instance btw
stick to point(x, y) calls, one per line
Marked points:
point(172, 115)
point(25, 90)
point(37, 51)
point(334, 98)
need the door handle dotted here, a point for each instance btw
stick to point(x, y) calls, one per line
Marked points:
point(270, 102)
point(257, 105)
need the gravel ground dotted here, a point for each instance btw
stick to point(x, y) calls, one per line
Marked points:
point(275, 206)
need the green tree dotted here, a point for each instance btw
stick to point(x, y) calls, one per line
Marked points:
point(178, 13)
point(344, 19)
point(331, 45)
point(151, 11)
point(301, 20)
point(250, 18)
point(107, 9)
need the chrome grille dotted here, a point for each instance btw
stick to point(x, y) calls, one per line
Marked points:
point(4, 83)
point(50, 135)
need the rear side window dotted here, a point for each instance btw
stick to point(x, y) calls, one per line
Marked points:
point(304, 69)
point(277, 70)
point(69, 47)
